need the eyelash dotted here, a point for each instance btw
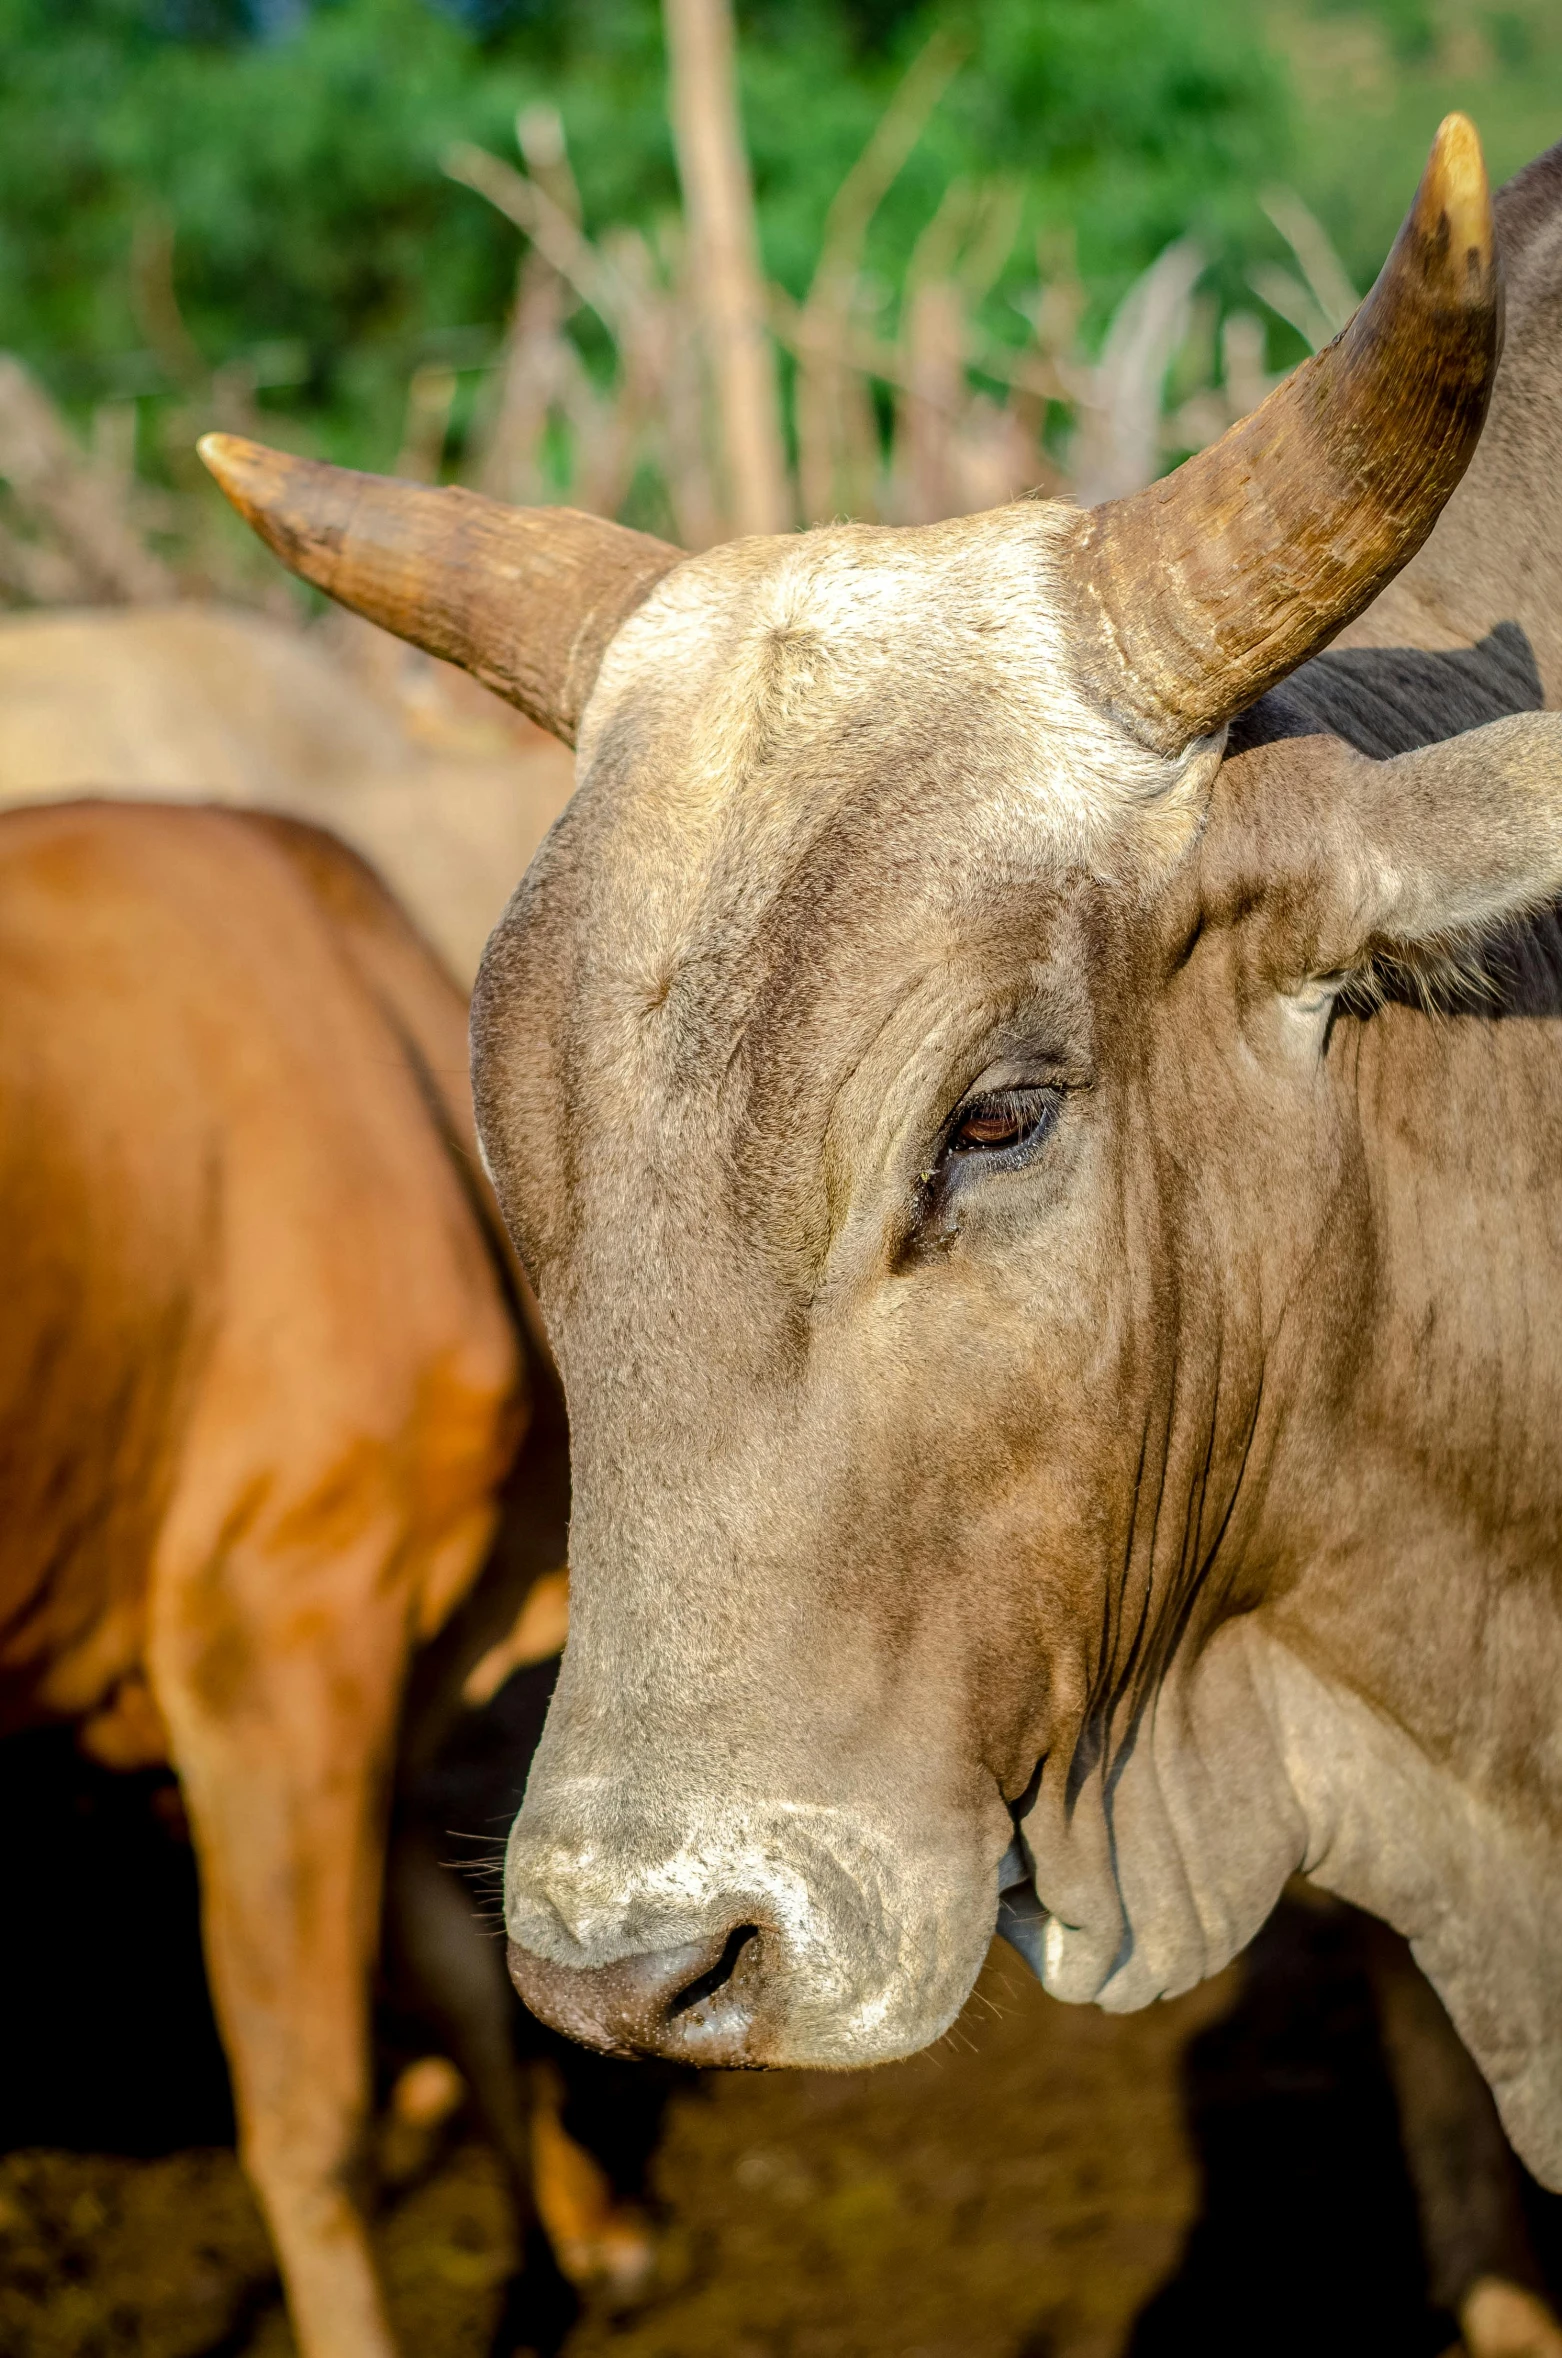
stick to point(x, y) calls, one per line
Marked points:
point(1022, 1114)
point(1025, 1115)
point(1029, 1114)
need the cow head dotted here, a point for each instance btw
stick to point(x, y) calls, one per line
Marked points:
point(902, 1070)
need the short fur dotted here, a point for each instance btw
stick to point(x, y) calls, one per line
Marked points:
point(1189, 1494)
point(260, 1384)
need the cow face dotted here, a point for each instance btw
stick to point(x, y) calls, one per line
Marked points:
point(903, 1072)
point(908, 1097)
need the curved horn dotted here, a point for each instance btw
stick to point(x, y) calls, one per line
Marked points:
point(526, 599)
point(1203, 590)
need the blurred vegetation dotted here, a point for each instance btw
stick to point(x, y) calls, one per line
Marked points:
point(281, 165)
point(1370, 84)
point(214, 210)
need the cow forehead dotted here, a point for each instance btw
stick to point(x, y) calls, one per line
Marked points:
point(813, 771)
point(919, 679)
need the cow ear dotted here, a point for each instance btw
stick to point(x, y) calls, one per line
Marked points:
point(1347, 860)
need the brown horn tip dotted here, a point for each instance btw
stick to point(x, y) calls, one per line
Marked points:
point(1201, 591)
point(526, 599)
point(250, 475)
point(1454, 192)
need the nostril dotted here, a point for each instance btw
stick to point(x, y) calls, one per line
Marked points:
point(702, 2002)
point(705, 1985)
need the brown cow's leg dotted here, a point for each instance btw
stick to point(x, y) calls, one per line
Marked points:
point(1501, 2319)
point(280, 1686)
point(602, 2239)
point(1468, 2190)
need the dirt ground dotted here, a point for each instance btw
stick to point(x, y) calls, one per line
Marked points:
point(1217, 2175)
point(952, 2206)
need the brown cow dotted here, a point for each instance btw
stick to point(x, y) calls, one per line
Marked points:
point(260, 1383)
point(1041, 1161)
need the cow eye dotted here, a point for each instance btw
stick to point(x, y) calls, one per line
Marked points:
point(994, 1130)
point(1003, 1127)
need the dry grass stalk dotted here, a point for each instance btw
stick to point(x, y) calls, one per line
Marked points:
point(88, 550)
point(837, 428)
point(730, 289)
point(654, 418)
point(537, 363)
point(1121, 395)
point(1319, 303)
point(431, 396)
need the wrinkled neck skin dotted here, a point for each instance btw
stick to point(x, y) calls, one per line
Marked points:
point(1382, 1717)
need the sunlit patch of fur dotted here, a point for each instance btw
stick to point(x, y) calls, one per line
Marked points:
point(762, 674)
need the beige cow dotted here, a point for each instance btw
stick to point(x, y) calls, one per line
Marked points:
point(1032, 1099)
point(425, 775)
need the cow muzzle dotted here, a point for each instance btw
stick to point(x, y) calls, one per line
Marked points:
point(705, 2002)
point(744, 1931)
